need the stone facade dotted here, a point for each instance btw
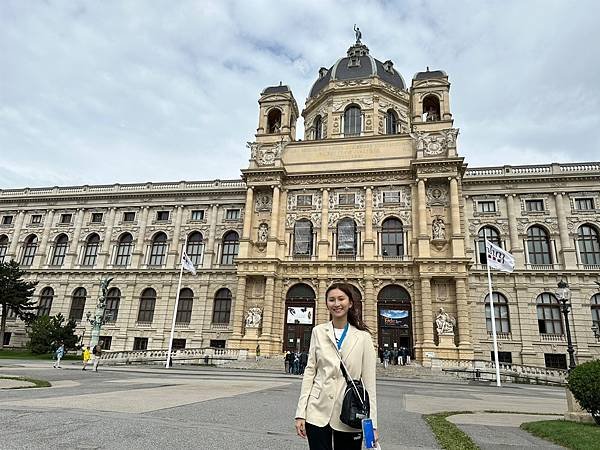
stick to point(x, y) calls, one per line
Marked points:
point(376, 195)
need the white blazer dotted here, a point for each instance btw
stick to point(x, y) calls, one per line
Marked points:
point(323, 384)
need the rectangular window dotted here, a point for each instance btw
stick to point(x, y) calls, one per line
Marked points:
point(7, 220)
point(503, 357)
point(556, 360)
point(217, 343)
point(146, 312)
point(184, 310)
point(178, 344)
point(162, 215)
point(584, 204)
point(534, 205)
point(346, 199)
point(198, 214)
point(232, 214)
point(128, 216)
point(391, 197)
point(140, 343)
point(66, 218)
point(97, 217)
point(106, 342)
point(36, 218)
point(486, 206)
point(7, 335)
point(304, 200)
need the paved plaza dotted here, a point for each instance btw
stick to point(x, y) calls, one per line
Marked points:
point(152, 407)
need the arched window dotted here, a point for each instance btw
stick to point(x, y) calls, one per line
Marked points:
point(231, 246)
point(352, 121)
point(147, 304)
point(3, 247)
point(158, 250)
point(222, 307)
point(184, 308)
point(392, 238)
point(431, 108)
point(45, 304)
point(346, 237)
point(492, 235)
point(588, 241)
point(303, 237)
point(391, 122)
point(113, 299)
point(29, 250)
point(596, 310)
point(274, 121)
point(500, 313)
point(78, 304)
point(61, 244)
point(318, 124)
point(548, 313)
point(538, 246)
point(124, 248)
point(91, 250)
point(195, 247)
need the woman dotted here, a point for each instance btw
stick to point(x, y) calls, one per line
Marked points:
point(323, 385)
point(87, 354)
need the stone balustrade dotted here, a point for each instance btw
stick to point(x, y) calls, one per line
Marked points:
point(215, 356)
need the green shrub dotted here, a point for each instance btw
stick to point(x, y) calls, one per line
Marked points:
point(584, 383)
point(47, 332)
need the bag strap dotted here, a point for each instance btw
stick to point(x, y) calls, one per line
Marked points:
point(348, 378)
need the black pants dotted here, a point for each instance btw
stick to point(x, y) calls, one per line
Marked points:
point(319, 438)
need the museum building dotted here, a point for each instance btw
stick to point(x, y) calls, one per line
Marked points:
point(376, 194)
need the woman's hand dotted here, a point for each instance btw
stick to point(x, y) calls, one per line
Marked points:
point(376, 438)
point(301, 428)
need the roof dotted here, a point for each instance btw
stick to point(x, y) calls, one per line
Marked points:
point(276, 89)
point(429, 74)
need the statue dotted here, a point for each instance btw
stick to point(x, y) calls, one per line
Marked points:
point(263, 232)
point(253, 317)
point(358, 34)
point(438, 228)
point(104, 286)
point(445, 323)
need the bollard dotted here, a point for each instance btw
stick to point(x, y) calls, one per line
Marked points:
point(206, 360)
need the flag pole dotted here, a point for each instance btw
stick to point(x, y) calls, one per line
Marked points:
point(493, 317)
point(167, 365)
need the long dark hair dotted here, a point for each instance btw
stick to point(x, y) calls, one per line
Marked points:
point(350, 291)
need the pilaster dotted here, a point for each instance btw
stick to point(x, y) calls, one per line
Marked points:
point(516, 249)
point(238, 311)
point(247, 229)
point(569, 259)
point(140, 243)
point(71, 256)
point(273, 225)
point(324, 235)
point(210, 250)
point(267, 317)
point(458, 243)
point(423, 237)
point(12, 249)
point(369, 243)
point(172, 260)
point(41, 257)
point(465, 345)
point(104, 255)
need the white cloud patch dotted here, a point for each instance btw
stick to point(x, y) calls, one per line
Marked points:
point(127, 91)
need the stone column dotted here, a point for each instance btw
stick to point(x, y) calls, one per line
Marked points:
point(140, 243)
point(267, 317)
point(567, 251)
point(41, 257)
point(458, 244)
point(281, 227)
point(239, 306)
point(464, 318)
point(273, 225)
point(209, 249)
point(12, 249)
point(104, 255)
point(516, 249)
point(172, 259)
point(72, 254)
point(369, 243)
point(370, 307)
point(423, 234)
point(426, 313)
point(247, 230)
point(324, 238)
point(321, 313)
point(278, 318)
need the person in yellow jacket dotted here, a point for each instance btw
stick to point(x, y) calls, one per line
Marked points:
point(87, 355)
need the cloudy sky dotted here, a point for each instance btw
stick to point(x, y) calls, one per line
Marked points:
point(145, 90)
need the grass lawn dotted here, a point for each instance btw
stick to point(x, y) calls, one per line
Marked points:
point(448, 435)
point(26, 354)
point(573, 435)
point(37, 383)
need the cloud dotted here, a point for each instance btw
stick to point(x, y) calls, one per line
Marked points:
point(127, 91)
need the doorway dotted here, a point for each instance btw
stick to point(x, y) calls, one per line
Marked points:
point(299, 318)
point(394, 319)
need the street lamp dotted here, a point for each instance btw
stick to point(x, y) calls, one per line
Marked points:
point(596, 331)
point(563, 294)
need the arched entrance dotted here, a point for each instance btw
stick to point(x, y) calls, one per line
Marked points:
point(394, 318)
point(299, 318)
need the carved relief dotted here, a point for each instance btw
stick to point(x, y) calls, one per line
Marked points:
point(263, 202)
point(437, 194)
point(265, 155)
point(435, 143)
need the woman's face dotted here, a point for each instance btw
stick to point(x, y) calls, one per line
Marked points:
point(338, 303)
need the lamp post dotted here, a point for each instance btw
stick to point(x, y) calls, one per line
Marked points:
point(563, 294)
point(596, 331)
point(99, 317)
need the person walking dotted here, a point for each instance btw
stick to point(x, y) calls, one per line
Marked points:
point(386, 358)
point(58, 354)
point(323, 385)
point(257, 352)
point(287, 362)
point(87, 355)
point(303, 362)
point(96, 356)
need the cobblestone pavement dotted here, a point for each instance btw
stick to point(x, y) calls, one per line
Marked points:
point(153, 407)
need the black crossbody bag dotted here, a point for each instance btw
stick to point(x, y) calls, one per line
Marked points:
point(355, 404)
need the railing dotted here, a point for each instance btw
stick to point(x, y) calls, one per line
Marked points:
point(540, 266)
point(502, 336)
point(547, 337)
point(507, 171)
point(205, 355)
point(590, 266)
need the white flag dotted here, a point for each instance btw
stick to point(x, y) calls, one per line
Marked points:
point(499, 259)
point(187, 263)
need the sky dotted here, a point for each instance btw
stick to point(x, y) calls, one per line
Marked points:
point(122, 91)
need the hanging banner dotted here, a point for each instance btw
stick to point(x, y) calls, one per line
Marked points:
point(395, 317)
point(300, 314)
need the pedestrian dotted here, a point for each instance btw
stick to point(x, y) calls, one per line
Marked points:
point(87, 354)
point(386, 358)
point(96, 356)
point(296, 364)
point(257, 352)
point(287, 362)
point(395, 356)
point(303, 362)
point(323, 385)
point(58, 354)
point(402, 356)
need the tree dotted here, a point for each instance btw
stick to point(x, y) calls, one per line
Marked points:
point(47, 332)
point(15, 295)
